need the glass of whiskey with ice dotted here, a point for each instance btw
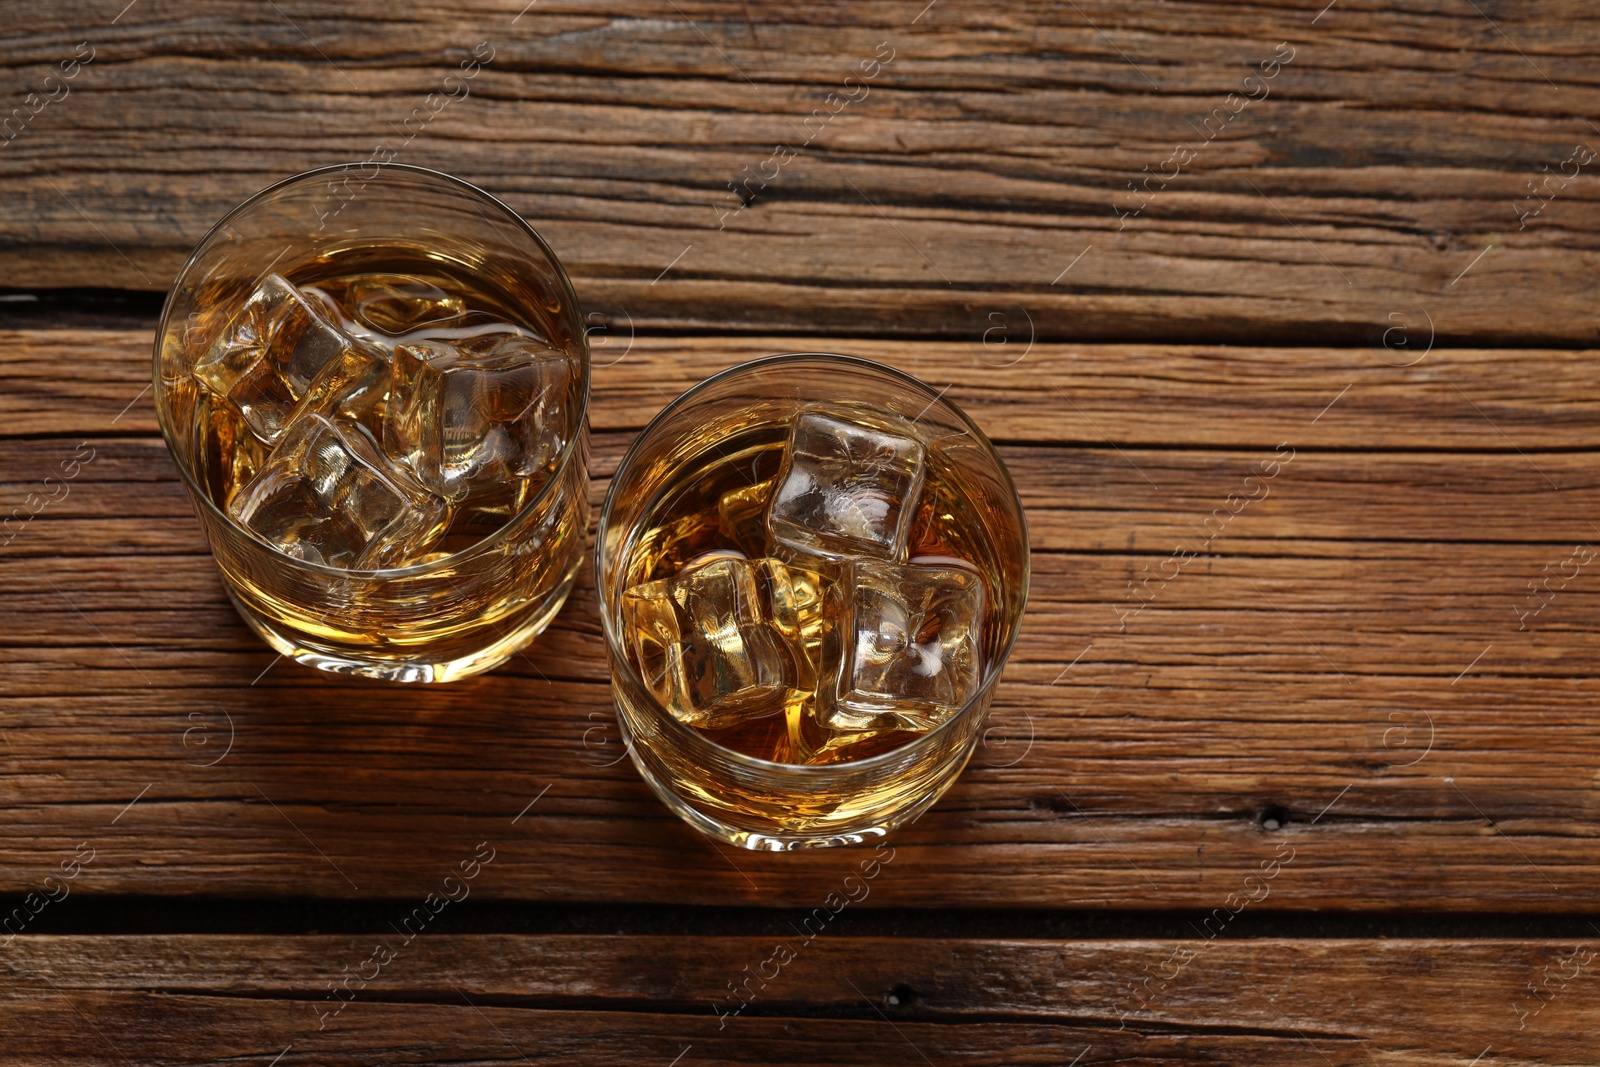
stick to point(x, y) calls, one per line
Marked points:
point(374, 381)
point(811, 570)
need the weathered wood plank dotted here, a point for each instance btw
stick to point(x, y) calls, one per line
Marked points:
point(1347, 650)
point(1001, 141)
point(1086, 499)
point(452, 998)
point(61, 382)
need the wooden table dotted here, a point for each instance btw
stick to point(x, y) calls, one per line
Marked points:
point(1294, 770)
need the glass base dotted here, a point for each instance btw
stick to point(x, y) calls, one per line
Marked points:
point(416, 667)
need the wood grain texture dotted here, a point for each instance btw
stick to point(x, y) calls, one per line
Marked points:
point(451, 999)
point(1347, 650)
point(1383, 171)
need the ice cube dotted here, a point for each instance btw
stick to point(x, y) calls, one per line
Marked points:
point(476, 333)
point(795, 600)
point(906, 646)
point(397, 304)
point(713, 554)
point(714, 642)
point(742, 515)
point(492, 410)
point(671, 546)
point(846, 487)
point(226, 455)
point(355, 385)
point(328, 495)
point(381, 311)
point(267, 357)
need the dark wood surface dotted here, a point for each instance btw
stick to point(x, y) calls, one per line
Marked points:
point(1346, 686)
point(1374, 166)
point(509, 999)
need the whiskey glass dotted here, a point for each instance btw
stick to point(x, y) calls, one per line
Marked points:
point(737, 421)
point(427, 610)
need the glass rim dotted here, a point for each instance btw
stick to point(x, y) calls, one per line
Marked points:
point(491, 541)
point(617, 655)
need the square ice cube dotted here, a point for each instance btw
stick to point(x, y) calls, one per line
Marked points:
point(490, 410)
point(846, 487)
point(267, 357)
point(328, 495)
point(907, 648)
point(355, 384)
point(708, 644)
